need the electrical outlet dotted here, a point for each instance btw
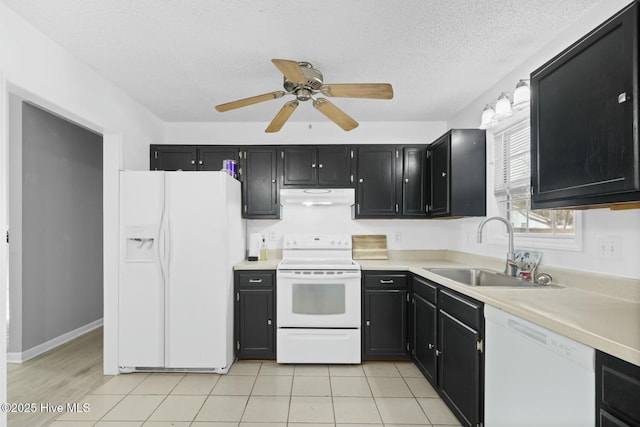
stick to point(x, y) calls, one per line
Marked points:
point(273, 236)
point(397, 237)
point(609, 247)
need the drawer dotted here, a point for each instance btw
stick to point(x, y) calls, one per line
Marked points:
point(385, 280)
point(255, 279)
point(426, 289)
point(618, 387)
point(464, 309)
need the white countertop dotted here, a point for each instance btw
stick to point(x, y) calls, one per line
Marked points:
point(604, 322)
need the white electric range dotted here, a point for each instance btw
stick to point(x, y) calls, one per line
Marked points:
point(318, 300)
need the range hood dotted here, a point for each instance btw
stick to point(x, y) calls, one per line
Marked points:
point(317, 196)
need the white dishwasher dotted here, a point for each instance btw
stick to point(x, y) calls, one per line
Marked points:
point(535, 377)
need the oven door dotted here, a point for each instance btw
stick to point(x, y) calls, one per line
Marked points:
point(318, 299)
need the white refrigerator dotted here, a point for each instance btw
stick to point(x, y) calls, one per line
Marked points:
point(180, 235)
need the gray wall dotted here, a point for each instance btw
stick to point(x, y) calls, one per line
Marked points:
point(61, 203)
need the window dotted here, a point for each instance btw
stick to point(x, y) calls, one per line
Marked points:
point(512, 185)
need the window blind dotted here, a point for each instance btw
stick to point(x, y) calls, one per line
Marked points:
point(512, 158)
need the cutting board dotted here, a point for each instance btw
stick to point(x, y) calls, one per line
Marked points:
point(369, 246)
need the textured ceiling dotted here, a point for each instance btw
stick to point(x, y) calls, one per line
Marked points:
point(179, 58)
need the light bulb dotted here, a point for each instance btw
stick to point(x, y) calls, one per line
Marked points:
point(503, 106)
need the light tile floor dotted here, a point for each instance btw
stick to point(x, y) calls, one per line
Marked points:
point(265, 394)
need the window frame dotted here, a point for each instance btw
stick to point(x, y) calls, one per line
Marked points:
point(499, 198)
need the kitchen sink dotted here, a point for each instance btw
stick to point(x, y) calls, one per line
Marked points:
point(482, 277)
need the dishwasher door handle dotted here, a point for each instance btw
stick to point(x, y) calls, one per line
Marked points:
point(522, 329)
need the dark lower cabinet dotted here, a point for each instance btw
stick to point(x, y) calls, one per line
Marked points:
point(617, 392)
point(459, 368)
point(384, 319)
point(447, 346)
point(424, 327)
point(254, 315)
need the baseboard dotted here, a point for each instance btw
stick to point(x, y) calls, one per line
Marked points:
point(16, 357)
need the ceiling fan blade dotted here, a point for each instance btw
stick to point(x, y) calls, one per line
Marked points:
point(283, 115)
point(359, 90)
point(250, 101)
point(291, 70)
point(335, 114)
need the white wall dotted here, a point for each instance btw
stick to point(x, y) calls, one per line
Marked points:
point(596, 223)
point(240, 133)
point(36, 68)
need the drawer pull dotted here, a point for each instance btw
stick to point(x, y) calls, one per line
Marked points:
point(386, 281)
point(438, 352)
point(255, 280)
point(431, 346)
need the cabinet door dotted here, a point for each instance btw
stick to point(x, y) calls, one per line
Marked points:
point(584, 133)
point(255, 324)
point(260, 189)
point(173, 157)
point(300, 166)
point(377, 189)
point(385, 324)
point(334, 166)
point(414, 181)
point(440, 155)
point(459, 368)
point(425, 318)
point(211, 158)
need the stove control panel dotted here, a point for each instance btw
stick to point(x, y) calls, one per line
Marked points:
point(317, 241)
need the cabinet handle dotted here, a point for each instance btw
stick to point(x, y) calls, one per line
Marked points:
point(269, 322)
point(438, 352)
point(444, 174)
point(430, 346)
point(320, 165)
point(361, 180)
point(386, 281)
point(193, 162)
point(273, 181)
point(199, 162)
point(351, 178)
point(255, 280)
point(623, 97)
point(406, 180)
point(313, 165)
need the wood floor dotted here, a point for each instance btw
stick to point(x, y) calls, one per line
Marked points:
point(60, 376)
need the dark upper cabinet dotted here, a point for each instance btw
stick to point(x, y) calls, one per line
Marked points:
point(259, 182)
point(378, 181)
point(458, 174)
point(584, 119)
point(317, 166)
point(190, 157)
point(210, 158)
point(254, 315)
point(415, 189)
point(173, 157)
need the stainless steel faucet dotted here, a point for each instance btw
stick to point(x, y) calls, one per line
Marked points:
point(511, 262)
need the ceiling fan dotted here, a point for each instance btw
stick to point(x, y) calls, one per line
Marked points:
point(305, 83)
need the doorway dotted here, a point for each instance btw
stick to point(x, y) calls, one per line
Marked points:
point(56, 230)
